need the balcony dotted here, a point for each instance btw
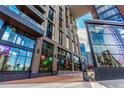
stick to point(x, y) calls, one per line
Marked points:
point(34, 12)
point(41, 8)
point(21, 20)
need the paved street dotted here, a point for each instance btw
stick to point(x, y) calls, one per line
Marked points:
point(113, 83)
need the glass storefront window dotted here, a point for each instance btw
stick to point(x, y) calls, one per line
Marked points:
point(32, 44)
point(64, 60)
point(77, 65)
point(4, 53)
point(14, 59)
point(107, 44)
point(20, 63)
point(46, 57)
point(27, 63)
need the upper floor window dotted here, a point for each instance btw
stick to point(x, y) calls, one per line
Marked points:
point(60, 11)
point(103, 8)
point(51, 14)
point(14, 8)
point(60, 37)
point(73, 47)
point(11, 34)
point(67, 42)
point(60, 23)
point(49, 30)
point(1, 23)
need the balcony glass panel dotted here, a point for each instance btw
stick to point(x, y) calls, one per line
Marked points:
point(17, 11)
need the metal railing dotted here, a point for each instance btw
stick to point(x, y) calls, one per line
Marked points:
point(36, 11)
point(26, 17)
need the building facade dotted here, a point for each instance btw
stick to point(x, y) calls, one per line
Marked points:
point(108, 12)
point(37, 41)
point(107, 48)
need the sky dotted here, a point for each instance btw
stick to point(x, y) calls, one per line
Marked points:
point(82, 29)
point(79, 21)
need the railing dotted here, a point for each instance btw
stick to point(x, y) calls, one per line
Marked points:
point(43, 7)
point(25, 16)
point(36, 11)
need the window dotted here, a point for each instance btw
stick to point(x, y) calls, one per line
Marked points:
point(60, 11)
point(60, 37)
point(14, 59)
point(107, 44)
point(67, 42)
point(64, 60)
point(77, 65)
point(14, 8)
point(77, 49)
point(1, 23)
point(49, 30)
point(51, 14)
point(60, 23)
point(20, 40)
point(73, 47)
point(46, 57)
point(11, 34)
point(32, 43)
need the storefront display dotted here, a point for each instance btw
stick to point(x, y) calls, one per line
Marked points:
point(64, 60)
point(14, 59)
point(46, 59)
point(77, 65)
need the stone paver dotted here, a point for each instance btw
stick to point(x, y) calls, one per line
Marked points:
point(47, 79)
point(50, 82)
point(119, 83)
point(49, 85)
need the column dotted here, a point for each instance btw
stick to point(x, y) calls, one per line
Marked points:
point(36, 56)
point(55, 60)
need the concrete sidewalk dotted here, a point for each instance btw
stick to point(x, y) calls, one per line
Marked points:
point(51, 82)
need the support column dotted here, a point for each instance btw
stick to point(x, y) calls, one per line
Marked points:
point(72, 61)
point(55, 60)
point(36, 56)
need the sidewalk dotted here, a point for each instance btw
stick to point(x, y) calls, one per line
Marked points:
point(97, 85)
point(47, 79)
point(51, 82)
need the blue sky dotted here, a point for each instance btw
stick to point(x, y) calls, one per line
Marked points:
point(79, 21)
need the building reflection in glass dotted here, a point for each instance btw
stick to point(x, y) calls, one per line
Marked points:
point(107, 42)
